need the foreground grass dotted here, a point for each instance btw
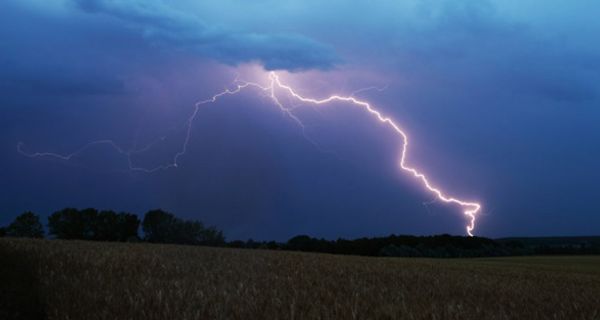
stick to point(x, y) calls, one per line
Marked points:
point(87, 280)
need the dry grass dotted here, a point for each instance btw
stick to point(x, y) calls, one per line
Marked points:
point(85, 280)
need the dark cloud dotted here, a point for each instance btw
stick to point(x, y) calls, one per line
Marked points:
point(473, 40)
point(476, 43)
point(57, 56)
point(163, 24)
point(58, 81)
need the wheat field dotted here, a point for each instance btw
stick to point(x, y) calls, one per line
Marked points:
point(52, 279)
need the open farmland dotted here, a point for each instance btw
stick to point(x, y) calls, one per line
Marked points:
point(93, 280)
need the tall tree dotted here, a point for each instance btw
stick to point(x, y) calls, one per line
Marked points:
point(26, 225)
point(106, 226)
point(159, 226)
point(68, 223)
point(129, 225)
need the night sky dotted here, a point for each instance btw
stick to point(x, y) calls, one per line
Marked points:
point(500, 100)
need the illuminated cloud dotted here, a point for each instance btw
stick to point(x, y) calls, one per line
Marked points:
point(163, 24)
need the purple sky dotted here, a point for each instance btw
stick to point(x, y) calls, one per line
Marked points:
point(499, 98)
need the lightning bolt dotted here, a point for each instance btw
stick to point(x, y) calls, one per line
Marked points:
point(470, 209)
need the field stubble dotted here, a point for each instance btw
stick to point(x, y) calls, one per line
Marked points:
point(87, 280)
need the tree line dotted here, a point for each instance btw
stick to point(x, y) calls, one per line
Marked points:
point(437, 246)
point(158, 226)
point(440, 246)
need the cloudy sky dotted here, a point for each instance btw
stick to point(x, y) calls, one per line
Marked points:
point(500, 100)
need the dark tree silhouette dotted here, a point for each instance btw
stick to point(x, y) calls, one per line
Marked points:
point(188, 232)
point(158, 226)
point(212, 237)
point(26, 225)
point(442, 246)
point(162, 227)
point(69, 223)
point(106, 226)
point(128, 226)
point(89, 224)
point(89, 218)
point(112, 226)
point(301, 242)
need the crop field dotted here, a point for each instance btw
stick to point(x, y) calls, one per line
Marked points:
point(93, 280)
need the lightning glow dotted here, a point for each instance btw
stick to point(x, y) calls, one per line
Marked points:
point(470, 209)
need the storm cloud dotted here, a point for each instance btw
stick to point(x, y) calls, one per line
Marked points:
point(163, 24)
